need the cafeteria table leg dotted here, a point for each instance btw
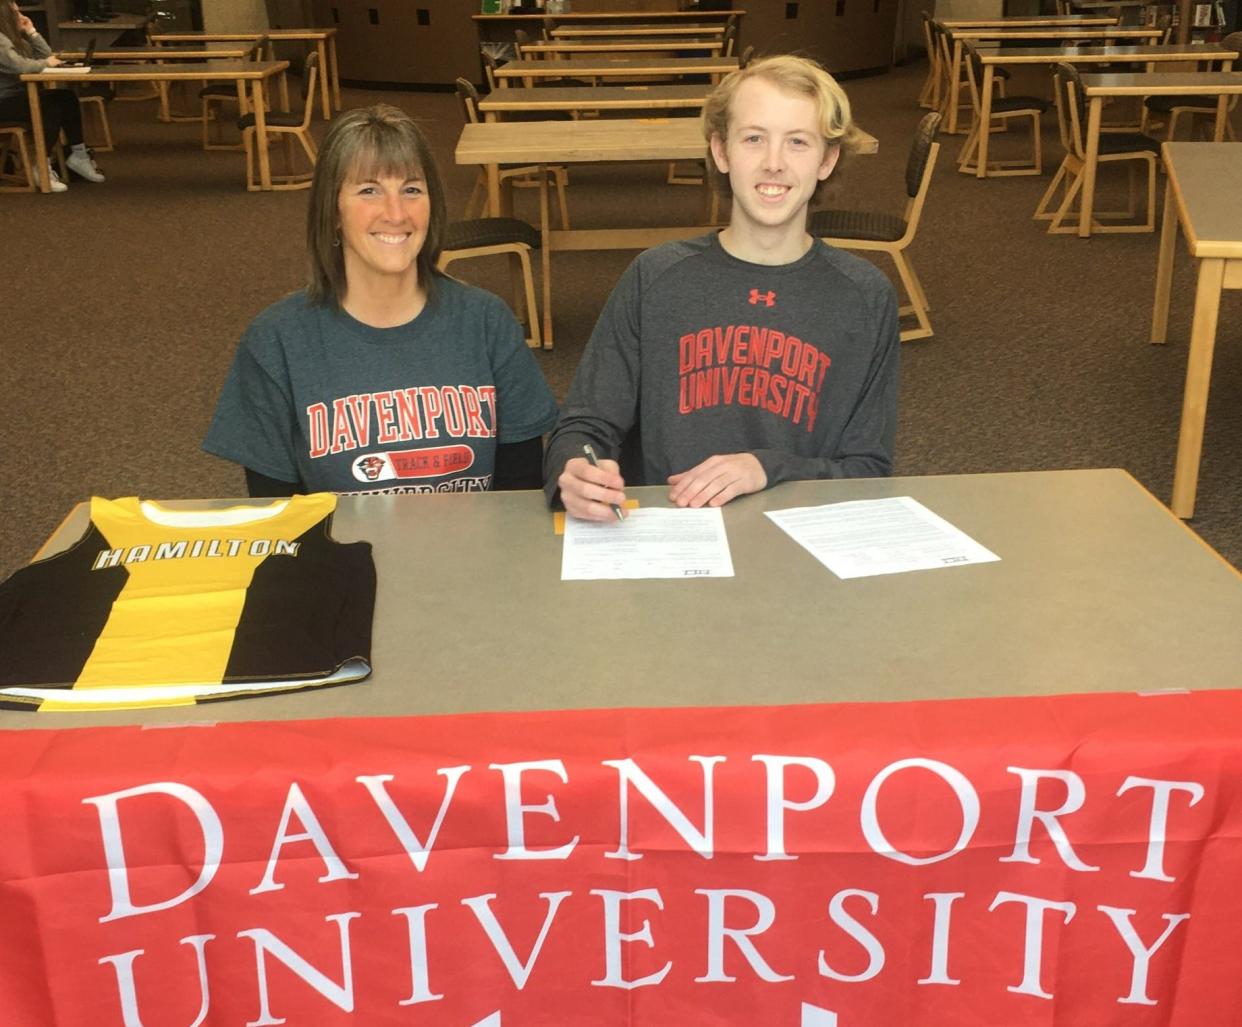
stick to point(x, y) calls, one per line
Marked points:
point(985, 123)
point(955, 84)
point(260, 136)
point(40, 142)
point(325, 87)
point(493, 190)
point(1164, 267)
point(1087, 201)
point(545, 256)
point(1198, 378)
point(336, 73)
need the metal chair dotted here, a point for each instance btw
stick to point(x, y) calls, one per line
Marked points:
point(291, 126)
point(1114, 146)
point(483, 237)
point(890, 233)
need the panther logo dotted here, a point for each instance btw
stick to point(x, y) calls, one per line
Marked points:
point(371, 466)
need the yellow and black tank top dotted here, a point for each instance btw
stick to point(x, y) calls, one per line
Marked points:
point(161, 607)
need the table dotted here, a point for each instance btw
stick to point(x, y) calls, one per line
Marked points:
point(1097, 87)
point(1027, 21)
point(325, 46)
point(1201, 196)
point(1073, 544)
point(105, 32)
point(242, 72)
point(635, 31)
point(999, 35)
point(494, 143)
point(1149, 55)
point(463, 861)
point(604, 98)
point(159, 53)
point(616, 67)
point(592, 47)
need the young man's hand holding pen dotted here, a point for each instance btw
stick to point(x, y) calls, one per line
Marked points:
point(592, 489)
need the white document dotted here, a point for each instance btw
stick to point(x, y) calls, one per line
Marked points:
point(649, 543)
point(79, 69)
point(879, 536)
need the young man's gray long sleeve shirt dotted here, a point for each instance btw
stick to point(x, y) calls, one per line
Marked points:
point(709, 354)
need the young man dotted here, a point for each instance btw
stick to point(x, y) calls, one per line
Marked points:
point(752, 356)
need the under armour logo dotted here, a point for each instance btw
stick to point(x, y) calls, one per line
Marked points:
point(768, 299)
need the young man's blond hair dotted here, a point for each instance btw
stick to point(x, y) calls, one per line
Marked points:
point(799, 76)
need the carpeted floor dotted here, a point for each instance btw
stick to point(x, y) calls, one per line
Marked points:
point(125, 301)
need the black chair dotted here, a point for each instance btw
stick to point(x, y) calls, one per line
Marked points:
point(291, 126)
point(487, 236)
point(1003, 108)
point(890, 233)
point(1173, 107)
point(1114, 146)
point(218, 94)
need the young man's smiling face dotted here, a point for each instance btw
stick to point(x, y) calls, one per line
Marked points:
point(775, 156)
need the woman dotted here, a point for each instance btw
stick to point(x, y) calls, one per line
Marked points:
point(23, 50)
point(383, 374)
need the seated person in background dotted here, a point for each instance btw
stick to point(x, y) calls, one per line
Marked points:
point(23, 51)
point(383, 374)
point(752, 356)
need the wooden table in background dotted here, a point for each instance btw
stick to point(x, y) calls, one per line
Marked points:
point(1202, 194)
point(1023, 21)
point(635, 31)
point(1204, 83)
point(221, 52)
point(624, 46)
point(325, 46)
point(103, 32)
point(1070, 32)
point(616, 67)
point(1149, 55)
point(580, 142)
point(584, 98)
point(242, 72)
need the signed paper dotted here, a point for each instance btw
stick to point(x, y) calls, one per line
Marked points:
point(879, 536)
point(649, 543)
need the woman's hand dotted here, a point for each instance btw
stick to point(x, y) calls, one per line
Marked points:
point(54, 62)
point(24, 25)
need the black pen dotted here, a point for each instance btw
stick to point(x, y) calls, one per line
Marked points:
point(590, 455)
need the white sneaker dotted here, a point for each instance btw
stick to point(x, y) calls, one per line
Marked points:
point(57, 185)
point(80, 162)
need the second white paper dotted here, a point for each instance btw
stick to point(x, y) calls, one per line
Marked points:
point(879, 536)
